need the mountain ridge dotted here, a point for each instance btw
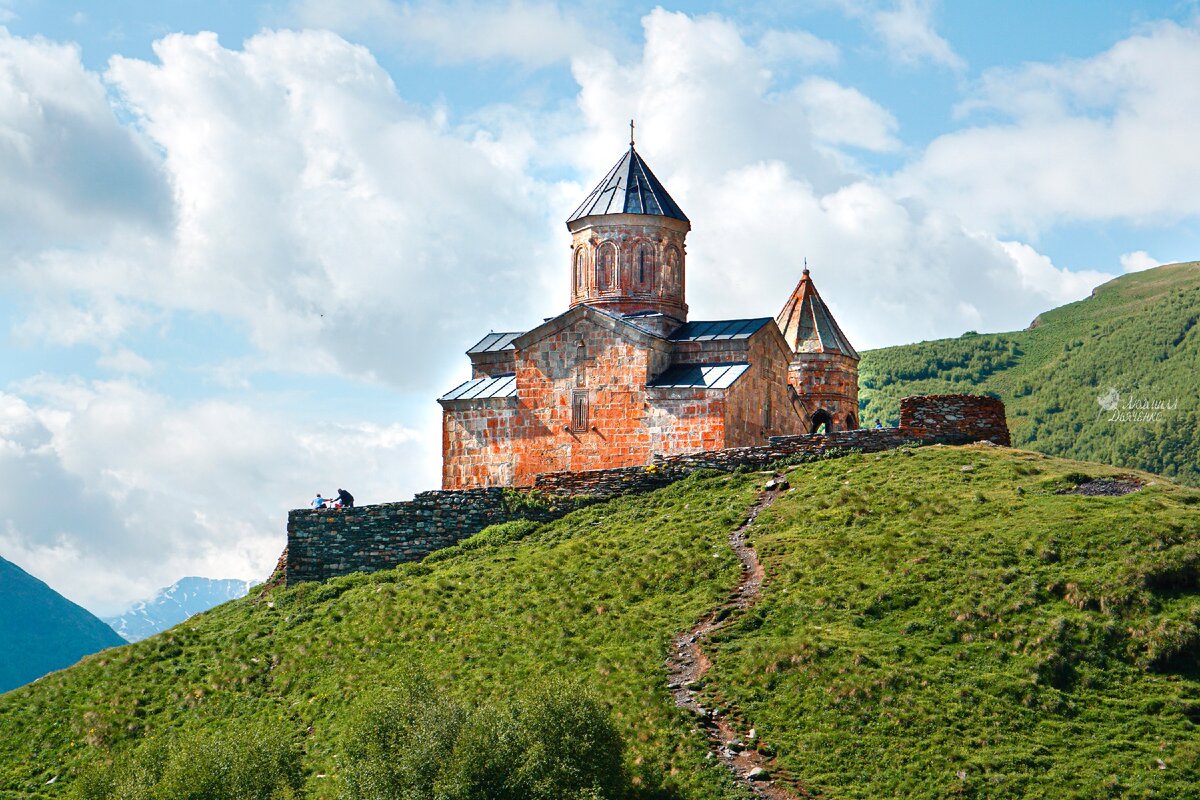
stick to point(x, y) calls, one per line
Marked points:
point(173, 604)
point(41, 631)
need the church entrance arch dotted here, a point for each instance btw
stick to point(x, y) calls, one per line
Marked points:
point(822, 422)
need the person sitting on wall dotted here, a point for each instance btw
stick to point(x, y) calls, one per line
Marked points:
point(318, 502)
point(345, 499)
point(878, 424)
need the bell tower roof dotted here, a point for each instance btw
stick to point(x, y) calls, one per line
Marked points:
point(808, 325)
point(629, 188)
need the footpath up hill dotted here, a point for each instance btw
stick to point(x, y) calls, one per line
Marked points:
point(933, 622)
point(1136, 335)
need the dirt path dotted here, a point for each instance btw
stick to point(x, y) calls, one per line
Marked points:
point(738, 749)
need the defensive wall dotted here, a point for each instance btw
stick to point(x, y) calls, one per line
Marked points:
point(327, 543)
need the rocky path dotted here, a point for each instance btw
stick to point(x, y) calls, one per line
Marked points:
point(740, 750)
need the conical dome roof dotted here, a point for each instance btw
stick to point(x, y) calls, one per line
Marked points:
point(808, 325)
point(629, 188)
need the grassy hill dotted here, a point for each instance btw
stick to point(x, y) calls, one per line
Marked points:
point(934, 622)
point(40, 630)
point(1136, 335)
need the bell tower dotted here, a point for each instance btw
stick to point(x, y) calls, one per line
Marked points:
point(627, 245)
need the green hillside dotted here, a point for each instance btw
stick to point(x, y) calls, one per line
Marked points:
point(1136, 335)
point(40, 630)
point(934, 622)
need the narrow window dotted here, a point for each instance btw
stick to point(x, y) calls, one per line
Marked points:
point(579, 410)
point(767, 415)
point(579, 269)
point(606, 276)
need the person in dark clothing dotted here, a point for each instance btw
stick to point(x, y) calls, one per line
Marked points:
point(345, 498)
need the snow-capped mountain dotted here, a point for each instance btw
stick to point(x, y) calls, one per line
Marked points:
point(173, 605)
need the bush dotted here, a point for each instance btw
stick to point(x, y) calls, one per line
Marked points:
point(257, 763)
point(550, 743)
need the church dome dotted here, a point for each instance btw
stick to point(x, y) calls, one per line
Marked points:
point(629, 188)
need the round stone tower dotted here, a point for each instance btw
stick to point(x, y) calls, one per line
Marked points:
point(627, 246)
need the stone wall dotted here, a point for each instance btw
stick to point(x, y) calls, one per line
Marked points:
point(973, 416)
point(324, 544)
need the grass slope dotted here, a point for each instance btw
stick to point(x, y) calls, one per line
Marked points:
point(940, 622)
point(925, 631)
point(593, 598)
point(1136, 334)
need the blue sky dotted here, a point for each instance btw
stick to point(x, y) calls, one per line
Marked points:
point(247, 244)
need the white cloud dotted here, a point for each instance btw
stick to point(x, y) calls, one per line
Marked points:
point(840, 115)
point(798, 47)
point(111, 491)
point(1138, 260)
point(70, 173)
point(1104, 138)
point(126, 362)
point(343, 228)
point(530, 33)
point(906, 29)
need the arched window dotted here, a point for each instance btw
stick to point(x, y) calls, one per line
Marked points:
point(672, 274)
point(580, 269)
point(822, 422)
point(643, 268)
point(606, 266)
point(851, 423)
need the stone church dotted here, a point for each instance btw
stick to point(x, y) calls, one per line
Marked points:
point(623, 374)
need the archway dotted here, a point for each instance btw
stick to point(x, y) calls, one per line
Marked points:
point(851, 423)
point(822, 418)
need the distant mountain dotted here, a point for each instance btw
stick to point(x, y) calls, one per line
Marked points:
point(40, 630)
point(174, 604)
point(1113, 378)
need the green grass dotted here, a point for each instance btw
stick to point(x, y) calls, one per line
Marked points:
point(931, 632)
point(593, 598)
point(925, 631)
point(1136, 334)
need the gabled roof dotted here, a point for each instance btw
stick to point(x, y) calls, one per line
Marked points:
point(807, 324)
point(485, 388)
point(495, 342)
point(699, 376)
point(724, 329)
point(629, 188)
point(615, 322)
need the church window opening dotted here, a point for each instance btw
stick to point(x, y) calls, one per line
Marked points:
point(767, 414)
point(579, 410)
point(645, 267)
point(822, 422)
point(606, 262)
point(580, 263)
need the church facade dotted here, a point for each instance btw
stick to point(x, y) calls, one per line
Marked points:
point(624, 375)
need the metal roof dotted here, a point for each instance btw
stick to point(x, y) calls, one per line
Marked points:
point(718, 329)
point(807, 324)
point(485, 388)
point(629, 188)
point(699, 376)
point(494, 342)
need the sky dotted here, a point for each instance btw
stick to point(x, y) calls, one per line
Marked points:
point(245, 245)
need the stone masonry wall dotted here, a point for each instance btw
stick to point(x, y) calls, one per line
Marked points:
point(325, 544)
point(973, 416)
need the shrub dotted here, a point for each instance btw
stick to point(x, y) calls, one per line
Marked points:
point(256, 763)
point(550, 743)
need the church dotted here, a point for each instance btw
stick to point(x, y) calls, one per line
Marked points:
point(623, 375)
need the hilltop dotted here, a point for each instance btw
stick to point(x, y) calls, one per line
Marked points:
point(1133, 344)
point(40, 630)
point(944, 620)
